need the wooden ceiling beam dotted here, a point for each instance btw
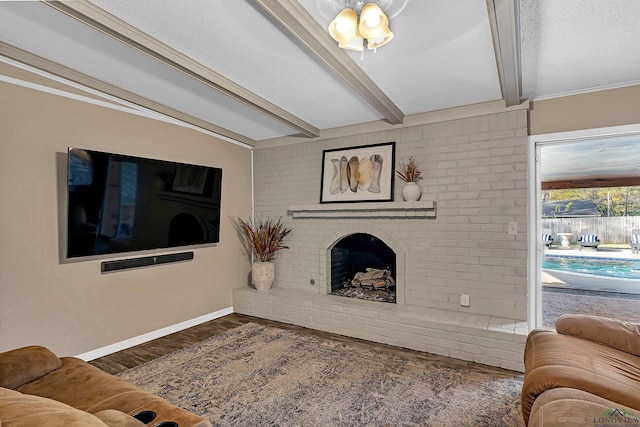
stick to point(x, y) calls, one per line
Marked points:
point(103, 21)
point(592, 183)
point(504, 21)
point(66, 73)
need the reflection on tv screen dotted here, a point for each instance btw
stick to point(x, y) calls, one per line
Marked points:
point(120, 203)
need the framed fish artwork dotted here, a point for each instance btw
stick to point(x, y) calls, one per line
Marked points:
point(358, 174)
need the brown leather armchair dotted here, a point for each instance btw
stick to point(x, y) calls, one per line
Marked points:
point(586, 369)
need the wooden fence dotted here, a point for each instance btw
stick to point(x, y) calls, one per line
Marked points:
point(610, 229)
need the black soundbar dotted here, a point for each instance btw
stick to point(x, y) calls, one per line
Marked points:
point(123, 264)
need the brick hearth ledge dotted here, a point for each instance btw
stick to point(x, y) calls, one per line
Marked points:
point(484, 339)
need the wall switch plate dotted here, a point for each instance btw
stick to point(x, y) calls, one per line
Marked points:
point(513, 229)
point(465, 301)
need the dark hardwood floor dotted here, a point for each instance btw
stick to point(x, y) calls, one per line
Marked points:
point(129, 358)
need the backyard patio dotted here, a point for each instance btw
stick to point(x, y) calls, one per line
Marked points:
point(566, 292)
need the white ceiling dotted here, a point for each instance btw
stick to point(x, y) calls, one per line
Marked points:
point(263, 69)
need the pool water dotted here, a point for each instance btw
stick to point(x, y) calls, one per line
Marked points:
point(618, 268)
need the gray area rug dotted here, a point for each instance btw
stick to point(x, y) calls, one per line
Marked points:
point(256, 375)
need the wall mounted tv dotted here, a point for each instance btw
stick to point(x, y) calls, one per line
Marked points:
point(119, 203)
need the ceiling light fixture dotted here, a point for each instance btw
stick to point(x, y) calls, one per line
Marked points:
point(350, 30)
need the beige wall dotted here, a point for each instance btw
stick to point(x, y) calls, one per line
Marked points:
point(71, 307)
point(605, 108)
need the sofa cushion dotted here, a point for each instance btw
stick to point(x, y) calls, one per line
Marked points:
point(589, 238)
point(20, 410)
point(623, 336)
point(554, 360)
point(83, 386)
point(568, 407)
point(26, 364)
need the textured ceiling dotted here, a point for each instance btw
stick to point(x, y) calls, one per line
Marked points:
point(254, 70)
point(241, 42)
point(577, 45)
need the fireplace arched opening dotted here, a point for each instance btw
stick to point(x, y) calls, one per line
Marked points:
point(363, 266)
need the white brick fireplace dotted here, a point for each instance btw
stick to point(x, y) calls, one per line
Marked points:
point(452, 242)
point(367, 215)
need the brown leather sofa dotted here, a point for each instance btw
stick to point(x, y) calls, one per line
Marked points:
point(584, 373)
point(39, 389)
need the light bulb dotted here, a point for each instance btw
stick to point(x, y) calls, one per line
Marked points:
point(372, 20)
point(343, 25)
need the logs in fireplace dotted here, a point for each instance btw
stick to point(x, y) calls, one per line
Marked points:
point(372, 285)
point(363, 266)
point(373, 278)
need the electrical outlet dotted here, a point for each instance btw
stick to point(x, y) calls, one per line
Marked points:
point(513, 229)
point(465, 300)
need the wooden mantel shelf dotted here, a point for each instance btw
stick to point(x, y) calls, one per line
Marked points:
point(421, 209)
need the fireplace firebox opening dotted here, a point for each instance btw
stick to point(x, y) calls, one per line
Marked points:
point(363, 266)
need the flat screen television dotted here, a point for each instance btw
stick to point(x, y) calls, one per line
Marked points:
point(119, 203)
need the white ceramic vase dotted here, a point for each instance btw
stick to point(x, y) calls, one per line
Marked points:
point(411, 192)
point(262, 275)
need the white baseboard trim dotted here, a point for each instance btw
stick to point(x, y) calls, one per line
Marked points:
point(103, 351)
